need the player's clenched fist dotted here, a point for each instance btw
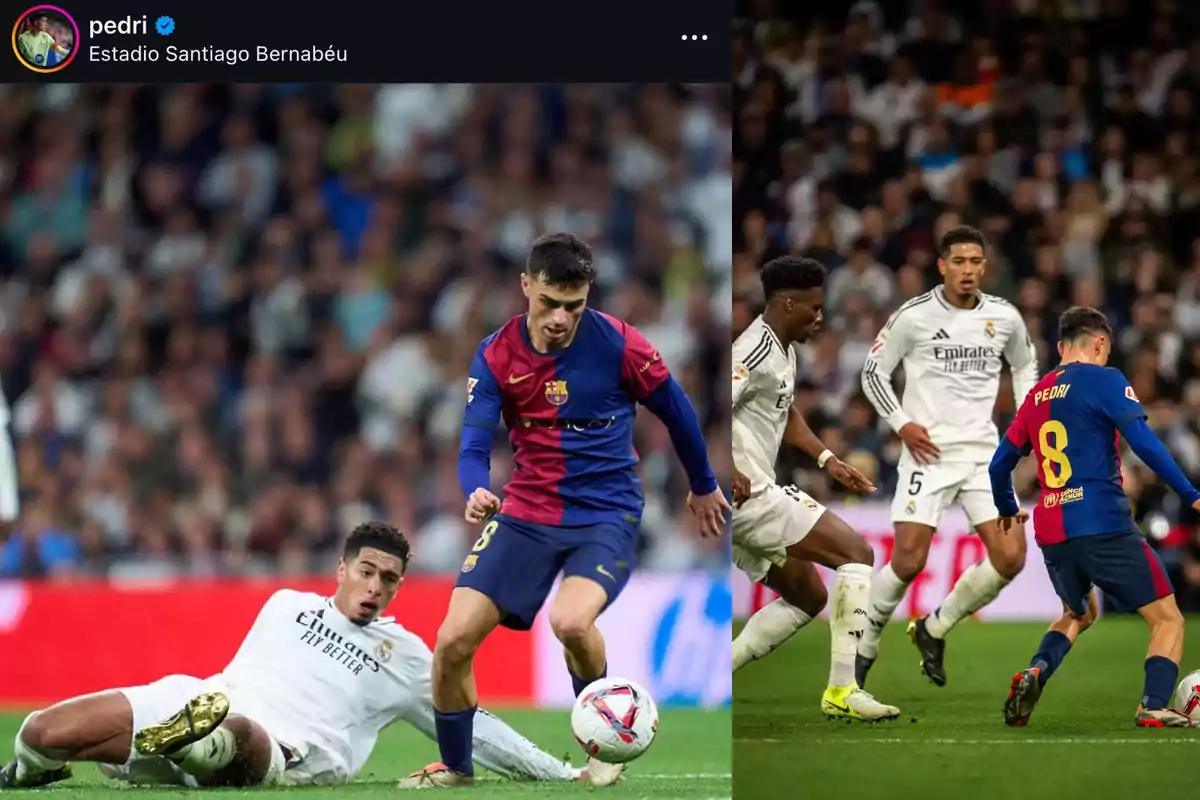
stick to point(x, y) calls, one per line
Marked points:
point(481, 505)
point(710, 510)
point(919, 444)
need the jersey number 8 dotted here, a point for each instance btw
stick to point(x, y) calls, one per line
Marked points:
point(1052, 442)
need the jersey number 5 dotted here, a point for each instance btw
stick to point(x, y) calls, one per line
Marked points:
point(1052, 444)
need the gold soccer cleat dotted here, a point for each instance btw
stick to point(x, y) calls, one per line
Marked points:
point(435, 776)
point(201, 716)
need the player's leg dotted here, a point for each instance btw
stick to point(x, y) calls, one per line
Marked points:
point(833, 544)
point(573, 614)
point(504, 581)
point(216, 748)
point(1026, 687)
point(1126, 567)
point(95, 727)
point(802, 595)
point(923, 494)
point(979, 584)
point(595, 572)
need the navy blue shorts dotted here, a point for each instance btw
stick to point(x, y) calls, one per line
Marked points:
point(515, 562)
point(1122, 565)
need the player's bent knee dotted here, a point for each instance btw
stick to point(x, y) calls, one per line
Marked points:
point(861, 552)
point(570, 625)
point(455, 645)
point(1163, 614)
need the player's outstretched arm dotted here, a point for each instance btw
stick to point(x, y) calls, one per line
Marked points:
point(1117, 401)
point(480, 418)
point(799, 435)
point(1150, 449)
point(1013, 447)
point(648, 381)
point(891, 345)
point(1021, 355)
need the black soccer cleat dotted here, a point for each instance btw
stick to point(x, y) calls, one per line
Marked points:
point(932, 651)
point(862, 665)
point(1023, 695)
point(8, 777)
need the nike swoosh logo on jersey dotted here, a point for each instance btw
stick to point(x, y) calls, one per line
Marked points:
point(518, 379)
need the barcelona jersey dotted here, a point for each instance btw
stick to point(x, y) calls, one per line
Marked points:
point(1071, 422)
point(570, 415)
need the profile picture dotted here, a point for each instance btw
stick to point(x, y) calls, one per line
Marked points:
point(45, 39)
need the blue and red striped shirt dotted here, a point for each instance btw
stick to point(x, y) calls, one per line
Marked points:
point(570, 416)
point(1071, 421)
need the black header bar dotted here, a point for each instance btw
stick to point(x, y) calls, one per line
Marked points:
point(445, 41)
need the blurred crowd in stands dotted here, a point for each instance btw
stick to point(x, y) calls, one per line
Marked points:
point(236, 320)
point(1067, 130)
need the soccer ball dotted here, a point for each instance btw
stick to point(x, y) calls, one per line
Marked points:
point(1187, 696)
point(614, 720)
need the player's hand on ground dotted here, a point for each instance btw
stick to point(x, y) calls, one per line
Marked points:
point(710, 510)
point(848, 476)
point(1196, 506)
point(741, 489)
point(919, 443)
point(481, 505)
point(1008, 524)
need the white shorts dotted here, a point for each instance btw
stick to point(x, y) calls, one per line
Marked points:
point(10, 497)
point(157, 701)
point(767, 524)
point(925, 492)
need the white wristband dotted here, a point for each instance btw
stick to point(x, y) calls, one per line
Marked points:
point(823, 458)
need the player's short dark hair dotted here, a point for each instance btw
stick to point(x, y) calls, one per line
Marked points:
point(961, 234)
point(1080, 321)
point(791, 272)
point(561, 259)
point(379, 535)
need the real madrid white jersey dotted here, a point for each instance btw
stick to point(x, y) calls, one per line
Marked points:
point(321, 685)
point(764, 383)
point(952, 360)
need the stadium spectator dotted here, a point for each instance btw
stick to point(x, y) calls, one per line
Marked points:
point(1064, 130)
point(236, 319)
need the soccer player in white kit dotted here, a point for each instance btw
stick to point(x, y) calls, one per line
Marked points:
point(302, 702)
point(780, 532)
point(951, 341)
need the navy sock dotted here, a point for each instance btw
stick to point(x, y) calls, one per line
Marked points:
point(1160, 682)
point(454, 734)
point(1050, 654)
point(579, 684)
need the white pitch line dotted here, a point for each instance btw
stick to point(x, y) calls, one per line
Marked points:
point(692, 776)
point(1040, 742)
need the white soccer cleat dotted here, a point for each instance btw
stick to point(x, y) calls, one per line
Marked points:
point(597, 773)
point(851, 702)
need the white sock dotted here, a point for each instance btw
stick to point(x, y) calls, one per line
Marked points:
point(210, 754)
point(886, 593)
point(847, 620)
point(30, 762)
point(770, 627)
point(975, 588)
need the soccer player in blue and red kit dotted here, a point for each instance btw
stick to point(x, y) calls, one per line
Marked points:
point(566, 380)
point(1083, 523)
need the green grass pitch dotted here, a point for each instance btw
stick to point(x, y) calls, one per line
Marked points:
point(952, 741)
point(690, 758)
